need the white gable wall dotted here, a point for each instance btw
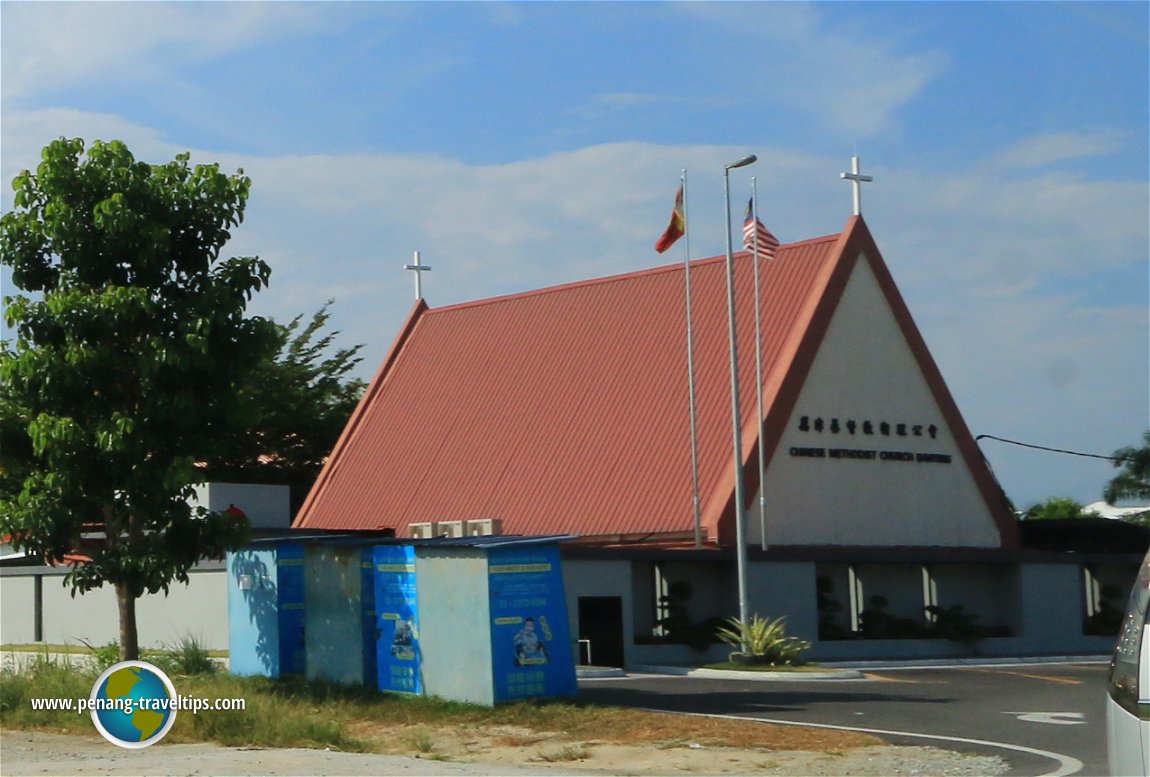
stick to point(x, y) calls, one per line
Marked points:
point(843, 488)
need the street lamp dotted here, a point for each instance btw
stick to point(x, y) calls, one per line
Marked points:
point(736, 415)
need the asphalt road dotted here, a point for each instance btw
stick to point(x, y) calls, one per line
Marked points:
point(1057, 708)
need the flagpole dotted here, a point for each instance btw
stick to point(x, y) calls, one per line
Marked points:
point(695, 506)
point(759, 367)
point(736, 414)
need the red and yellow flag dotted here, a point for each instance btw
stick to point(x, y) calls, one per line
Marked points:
point(676, 228)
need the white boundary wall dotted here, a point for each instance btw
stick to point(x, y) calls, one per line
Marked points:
point(199, 610)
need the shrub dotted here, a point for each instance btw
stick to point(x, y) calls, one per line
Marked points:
point(763, 641)
point(103, 656)
point(186, 658)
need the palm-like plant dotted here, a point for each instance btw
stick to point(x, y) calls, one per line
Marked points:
point(763, 641)
point(1134, 480)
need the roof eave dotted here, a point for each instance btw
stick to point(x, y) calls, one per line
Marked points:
point(315, 495)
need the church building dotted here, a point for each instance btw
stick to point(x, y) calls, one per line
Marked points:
point(877, 528)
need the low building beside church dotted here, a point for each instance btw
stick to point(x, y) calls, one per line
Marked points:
point(878, 528)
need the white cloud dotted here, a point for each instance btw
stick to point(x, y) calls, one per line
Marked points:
point(26, 132)
point(976, 256)
point(1041, 150)
point(49, 45)
point(853, 80)
point(1001, 232)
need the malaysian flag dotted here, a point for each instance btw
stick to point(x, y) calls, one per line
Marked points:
point(756, 237)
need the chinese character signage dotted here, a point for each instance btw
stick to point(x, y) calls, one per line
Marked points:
point(820, 427)
point(531, 641)
point(397, 620)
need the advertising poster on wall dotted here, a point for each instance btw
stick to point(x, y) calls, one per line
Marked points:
point(397, 619)
point(530, 637)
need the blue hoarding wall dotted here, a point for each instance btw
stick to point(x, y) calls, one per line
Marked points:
point(339, 615)
point(266, 610)
point(397, 619)
point(530, 636)
point(289, 566)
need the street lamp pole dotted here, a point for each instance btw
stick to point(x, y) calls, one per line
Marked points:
point(736, 415)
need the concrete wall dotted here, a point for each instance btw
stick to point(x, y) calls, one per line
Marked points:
point(1053, 610)
point(199, 610)
point(267, 507)
point(17, 609)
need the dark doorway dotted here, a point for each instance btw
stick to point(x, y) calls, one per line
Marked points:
point(601, 625)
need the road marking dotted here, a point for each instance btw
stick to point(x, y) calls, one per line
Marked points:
point(1047, 678)
point(886, 679)
point(1057, 718)
point(1067, 765)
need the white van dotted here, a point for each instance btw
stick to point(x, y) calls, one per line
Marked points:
point(1128, 704)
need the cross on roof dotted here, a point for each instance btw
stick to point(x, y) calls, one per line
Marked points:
point(857, 179)
point(418, 269)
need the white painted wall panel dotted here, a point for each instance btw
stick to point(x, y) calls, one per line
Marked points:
point(865, 373)
point(455, 624)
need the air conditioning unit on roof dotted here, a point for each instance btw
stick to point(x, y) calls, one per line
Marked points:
point(484, 527)
point(449, 529)
point(421, 531)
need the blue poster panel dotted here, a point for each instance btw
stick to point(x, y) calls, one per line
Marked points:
point(530, 637)
point(290, 571)
point(397, 622)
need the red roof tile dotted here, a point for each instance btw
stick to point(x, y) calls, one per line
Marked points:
point(565, 410)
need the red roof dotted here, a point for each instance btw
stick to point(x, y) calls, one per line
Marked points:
point(565, 410)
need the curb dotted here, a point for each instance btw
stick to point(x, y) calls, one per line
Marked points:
point(594, 672)
point(735, 674)
point(944, 663)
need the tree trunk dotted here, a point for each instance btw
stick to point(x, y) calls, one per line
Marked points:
point(129, 637)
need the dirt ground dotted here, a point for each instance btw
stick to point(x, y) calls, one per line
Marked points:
point(494, 752)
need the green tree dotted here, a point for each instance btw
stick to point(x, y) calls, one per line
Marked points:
point(126, 366)
point(1133, 482)
point(307, 398)
point(1058, 508)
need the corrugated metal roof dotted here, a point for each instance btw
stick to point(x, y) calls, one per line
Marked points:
point(565, 410)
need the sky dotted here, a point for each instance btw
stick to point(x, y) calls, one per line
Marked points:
point(525, 144)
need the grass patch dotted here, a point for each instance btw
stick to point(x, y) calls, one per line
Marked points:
point(293, 712)
point(45, 676)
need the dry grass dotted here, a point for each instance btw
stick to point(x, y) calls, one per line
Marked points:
point(574, 729)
